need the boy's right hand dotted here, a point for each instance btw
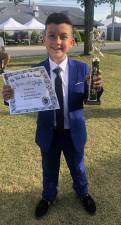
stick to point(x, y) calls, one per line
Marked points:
point(7, 92)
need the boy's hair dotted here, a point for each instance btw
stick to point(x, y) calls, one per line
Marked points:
point(58, 18)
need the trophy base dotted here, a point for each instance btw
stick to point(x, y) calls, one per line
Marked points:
point(1, 70)
point(92, 98)
point(91, 102)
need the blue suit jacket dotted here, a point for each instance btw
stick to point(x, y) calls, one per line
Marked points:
point(77, 91)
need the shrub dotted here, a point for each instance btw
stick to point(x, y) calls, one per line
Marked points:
point(34, 37)
point(82, 35)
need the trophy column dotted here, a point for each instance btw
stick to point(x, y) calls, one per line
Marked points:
point(1, 64)
point(4, 60)
point(92, 92)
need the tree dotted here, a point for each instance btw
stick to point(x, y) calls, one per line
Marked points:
point(89, 19)
point(113, 3)
point(113, 16)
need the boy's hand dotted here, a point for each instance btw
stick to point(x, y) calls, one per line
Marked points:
point(7, 92)
point(98, 81)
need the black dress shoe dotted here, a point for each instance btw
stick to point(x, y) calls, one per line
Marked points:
point(42, 208)
point(89, 204)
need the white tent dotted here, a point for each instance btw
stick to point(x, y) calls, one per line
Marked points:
point(108, 21)
point(12, 25)
point(34, 24)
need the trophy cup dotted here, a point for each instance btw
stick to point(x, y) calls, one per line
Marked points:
point(97, 44)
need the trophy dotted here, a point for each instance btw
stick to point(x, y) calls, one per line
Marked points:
point(4, 60)
point(97, 44)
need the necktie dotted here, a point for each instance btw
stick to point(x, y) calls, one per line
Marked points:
point(59, 93)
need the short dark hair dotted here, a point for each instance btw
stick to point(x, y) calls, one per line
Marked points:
point(58, 18)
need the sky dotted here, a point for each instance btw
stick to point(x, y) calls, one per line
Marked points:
point(100, 12)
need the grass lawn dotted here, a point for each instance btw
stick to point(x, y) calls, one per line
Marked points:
point(20, 161)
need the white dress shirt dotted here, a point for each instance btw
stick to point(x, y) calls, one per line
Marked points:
point(64, 76)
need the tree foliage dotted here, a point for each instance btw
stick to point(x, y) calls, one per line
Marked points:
point(16, 2)
point(117, 13)
point(97, 2)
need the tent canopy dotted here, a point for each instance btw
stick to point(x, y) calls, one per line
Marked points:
point(11, 25)
point(34, 24)
point(108, 21)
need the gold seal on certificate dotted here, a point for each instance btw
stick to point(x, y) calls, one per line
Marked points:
point(33, 91)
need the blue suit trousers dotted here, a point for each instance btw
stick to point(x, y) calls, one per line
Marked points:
point(51, 166)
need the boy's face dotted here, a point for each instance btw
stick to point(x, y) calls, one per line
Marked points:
point(58, 40)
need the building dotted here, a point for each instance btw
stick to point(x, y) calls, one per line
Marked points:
point(23, 13)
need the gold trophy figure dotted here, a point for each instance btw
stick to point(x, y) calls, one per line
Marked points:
point(4, 59)
point(97, 44)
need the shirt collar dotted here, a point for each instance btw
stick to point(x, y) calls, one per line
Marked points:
point(62, 65)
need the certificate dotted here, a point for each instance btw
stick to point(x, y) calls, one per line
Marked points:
point(32, 91)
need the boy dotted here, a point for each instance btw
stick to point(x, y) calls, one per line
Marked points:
point(62, 129)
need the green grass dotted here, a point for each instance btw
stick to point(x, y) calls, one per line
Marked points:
point(113, 52)
point(20, 161)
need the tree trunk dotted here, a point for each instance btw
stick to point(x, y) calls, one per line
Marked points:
point(113, 16)
point(29, 3)
point(89, 19)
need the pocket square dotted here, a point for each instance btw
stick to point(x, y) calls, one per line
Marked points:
point(80, 82)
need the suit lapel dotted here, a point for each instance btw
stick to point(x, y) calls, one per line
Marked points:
point(72, 78)
point(47, 66)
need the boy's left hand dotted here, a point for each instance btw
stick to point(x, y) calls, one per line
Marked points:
point(98, 81)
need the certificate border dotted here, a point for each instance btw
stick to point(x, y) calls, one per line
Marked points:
point(53, 102)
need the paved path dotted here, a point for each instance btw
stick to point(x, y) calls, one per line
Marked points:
point(40, 50)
